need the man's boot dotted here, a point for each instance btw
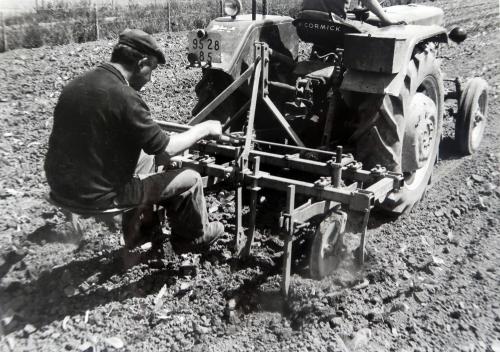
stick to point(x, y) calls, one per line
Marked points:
point(212, 233)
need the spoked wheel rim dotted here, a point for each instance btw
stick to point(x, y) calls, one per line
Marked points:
point(478, 121)
point(424, 103)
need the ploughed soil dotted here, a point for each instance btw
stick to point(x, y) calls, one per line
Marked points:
point(431, 281)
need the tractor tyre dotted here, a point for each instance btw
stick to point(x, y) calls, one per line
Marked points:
point(471, 116)
point(208, 88)
point(328, 247)
point(406, 135)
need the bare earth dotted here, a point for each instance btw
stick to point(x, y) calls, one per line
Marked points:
point(431, 282)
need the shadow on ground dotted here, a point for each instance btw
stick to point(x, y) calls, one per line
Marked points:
point(82, 285)
point(448, 149)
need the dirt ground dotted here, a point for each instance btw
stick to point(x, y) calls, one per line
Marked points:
point(431, 282)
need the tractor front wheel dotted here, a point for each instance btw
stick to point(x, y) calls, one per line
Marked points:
point(471, 117)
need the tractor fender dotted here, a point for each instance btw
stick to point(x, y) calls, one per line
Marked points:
point(377, 62)
point(238, 35)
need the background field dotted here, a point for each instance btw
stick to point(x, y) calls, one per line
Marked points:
point(34, 23)
point(65, 22)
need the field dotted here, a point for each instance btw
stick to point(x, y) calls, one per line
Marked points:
point(431, 282)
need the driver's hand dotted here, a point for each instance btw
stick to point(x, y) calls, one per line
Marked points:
point(213, 128)
point(395, 23)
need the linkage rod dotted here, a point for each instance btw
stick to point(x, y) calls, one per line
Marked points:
point(202, 115)
point(177, 127)
point(253, 107)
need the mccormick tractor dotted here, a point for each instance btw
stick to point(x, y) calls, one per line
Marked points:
point(354, 124)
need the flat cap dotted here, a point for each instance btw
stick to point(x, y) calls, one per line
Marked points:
point(142, 42)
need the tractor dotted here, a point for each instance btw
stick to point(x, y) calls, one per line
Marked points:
point(352, 125)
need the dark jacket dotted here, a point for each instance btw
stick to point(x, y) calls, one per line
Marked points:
point(100, 126)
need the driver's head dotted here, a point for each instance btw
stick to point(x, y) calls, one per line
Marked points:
point(139, 54)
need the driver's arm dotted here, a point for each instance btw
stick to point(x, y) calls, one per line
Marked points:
point(376, 8)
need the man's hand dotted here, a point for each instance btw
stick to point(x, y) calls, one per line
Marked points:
point(394, 23)
point(374, 6)
point(182, 141)
point(213, 128)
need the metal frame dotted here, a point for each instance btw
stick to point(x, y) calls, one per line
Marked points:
point(259, 71)
point(243, 164)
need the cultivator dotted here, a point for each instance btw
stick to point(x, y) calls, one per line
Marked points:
point(338, 184)
point(375, 92)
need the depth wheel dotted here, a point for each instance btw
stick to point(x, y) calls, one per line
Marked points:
point(471, 116)
point(328, 248)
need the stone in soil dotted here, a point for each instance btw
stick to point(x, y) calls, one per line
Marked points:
point(439, 213)
point(115, 342)
point(478, 275)
point(29, 329)
point(495, 346)
point(478, 178)
point(86, 347)
point(399, 307)
point(360, 339)
point(456, 314)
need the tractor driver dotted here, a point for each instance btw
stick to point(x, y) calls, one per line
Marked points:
point(104, 144)
point(340, 8)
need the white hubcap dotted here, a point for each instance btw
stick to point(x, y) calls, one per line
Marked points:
point(427, 113)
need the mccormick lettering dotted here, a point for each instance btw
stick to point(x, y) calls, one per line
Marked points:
point(322, 26)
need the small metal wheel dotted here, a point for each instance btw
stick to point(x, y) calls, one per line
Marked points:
point(328, 245)
point(471, 116)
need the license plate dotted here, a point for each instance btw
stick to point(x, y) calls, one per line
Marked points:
point(207, 49)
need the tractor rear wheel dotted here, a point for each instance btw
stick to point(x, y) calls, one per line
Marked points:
point(406, 135)
point(328, 248)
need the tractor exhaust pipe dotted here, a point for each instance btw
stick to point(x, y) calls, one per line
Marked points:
point(254, 9)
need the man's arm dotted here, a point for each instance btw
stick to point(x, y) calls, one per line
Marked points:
point(182, 141)
point(376, 8)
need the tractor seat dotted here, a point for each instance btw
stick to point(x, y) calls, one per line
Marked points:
point(74, 213)
point(323, 30)
point(85, 212)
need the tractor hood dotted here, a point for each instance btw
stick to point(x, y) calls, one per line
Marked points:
point(238, 35)
point(411, 14)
